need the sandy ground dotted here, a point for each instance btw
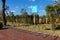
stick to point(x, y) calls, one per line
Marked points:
point(18, 34)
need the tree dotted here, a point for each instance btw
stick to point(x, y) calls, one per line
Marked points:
point(24, 15)
point(12, 16)
point(3, 11)
point(43, 19)
point(7, 13)
point(7, 10)
point(17, 17)
point(36, 17)
point(50, 12)
point(57, 10)
point(53, 11)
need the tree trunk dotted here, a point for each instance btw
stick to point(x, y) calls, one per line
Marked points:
point(3, 12)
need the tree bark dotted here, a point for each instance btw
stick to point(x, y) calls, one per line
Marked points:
point(3, 12)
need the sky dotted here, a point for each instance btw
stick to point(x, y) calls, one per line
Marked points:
point(17, 5)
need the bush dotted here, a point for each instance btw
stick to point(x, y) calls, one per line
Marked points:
point(58, 27)
point(1, 25)
point(47, 29)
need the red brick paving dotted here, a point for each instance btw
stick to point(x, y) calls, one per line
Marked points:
point(17, 34)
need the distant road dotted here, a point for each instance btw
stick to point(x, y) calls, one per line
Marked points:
point(18, 34)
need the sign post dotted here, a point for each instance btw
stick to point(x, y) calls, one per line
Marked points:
point(34, 10)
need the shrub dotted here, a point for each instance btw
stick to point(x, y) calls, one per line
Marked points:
point(1, 25)
point(47, 29)
point(58, 27)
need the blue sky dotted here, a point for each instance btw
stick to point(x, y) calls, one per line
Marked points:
point(17, 5)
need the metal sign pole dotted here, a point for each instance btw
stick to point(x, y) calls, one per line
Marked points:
point(34, 23)
point(34, 10)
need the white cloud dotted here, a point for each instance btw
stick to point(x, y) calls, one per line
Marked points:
point(12, 10)
point(17, 7)
point(30, 6)
point(57, 0)
point(42, 12)
point(32, 0)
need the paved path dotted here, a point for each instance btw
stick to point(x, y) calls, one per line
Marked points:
point(18, 34)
